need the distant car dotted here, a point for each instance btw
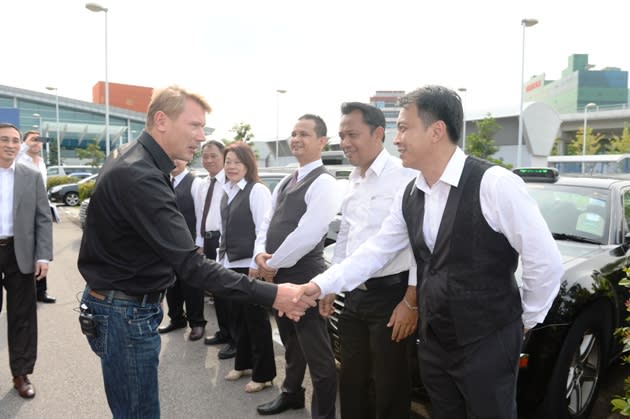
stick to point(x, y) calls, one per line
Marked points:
point(68, 193)
point(563, 358)
point(81, 175)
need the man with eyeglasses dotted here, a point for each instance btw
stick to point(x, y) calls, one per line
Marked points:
point(25, 251)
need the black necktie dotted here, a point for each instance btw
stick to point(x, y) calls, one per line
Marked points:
point(206, 206)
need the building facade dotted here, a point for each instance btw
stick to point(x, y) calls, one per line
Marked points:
point(387, 101)
point(80, 122)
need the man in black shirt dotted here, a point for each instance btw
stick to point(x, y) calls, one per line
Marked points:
point(135, 239)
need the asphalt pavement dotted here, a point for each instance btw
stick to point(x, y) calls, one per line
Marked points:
point(68, 377)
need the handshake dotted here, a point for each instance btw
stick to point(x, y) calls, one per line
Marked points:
point(291, 300)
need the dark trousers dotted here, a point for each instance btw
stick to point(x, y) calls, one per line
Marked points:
point(42, 286)
point(222, 306)
point(472, 381)
point(179, 294)
point(375, 378)
point(254, 345)
point(307, 343)
point(21, 313)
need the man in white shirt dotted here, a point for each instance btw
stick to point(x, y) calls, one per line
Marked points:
point(468, 222)
point(378, 317)
point(30, 155)
point(25, 252)
point(186, 187)
point(290, 249)
point(208, 209)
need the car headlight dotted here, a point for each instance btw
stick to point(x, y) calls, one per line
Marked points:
point(55, 189)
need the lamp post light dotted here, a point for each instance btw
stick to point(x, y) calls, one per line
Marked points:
point(40, 129)
point(463, 90)
point(525, 23)
point(57, 122)
point(95, 7)
point(588, 105)
point(278, 93)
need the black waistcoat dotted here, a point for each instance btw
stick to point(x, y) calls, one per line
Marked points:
point(185, 202)
point(239, 230)
point(290, 207)
point(466, 287)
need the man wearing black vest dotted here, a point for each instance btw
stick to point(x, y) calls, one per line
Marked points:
point(467, 222)
point(303, 204)
point(185, 185)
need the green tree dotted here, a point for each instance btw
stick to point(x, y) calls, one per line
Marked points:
point(53, 159)
point(242, 132)
point(481, 143)
point(621, 144)
point(595, 143)
point(93, 153)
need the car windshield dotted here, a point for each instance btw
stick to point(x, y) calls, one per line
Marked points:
point(573, 212)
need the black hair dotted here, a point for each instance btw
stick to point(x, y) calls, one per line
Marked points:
point(372, 116)
point(438, 103)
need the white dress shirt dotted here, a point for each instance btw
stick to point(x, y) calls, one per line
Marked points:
point(194, 187)
point(7, 177)
point(365, 206)
point(508, 209)
point(323, 200)
point(259, 205)
point(40, 166)
point(213, 221)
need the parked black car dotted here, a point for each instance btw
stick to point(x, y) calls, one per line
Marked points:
point(563, 359)
point(69, 192)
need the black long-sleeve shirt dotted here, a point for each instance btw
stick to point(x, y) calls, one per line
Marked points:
point(135, 237)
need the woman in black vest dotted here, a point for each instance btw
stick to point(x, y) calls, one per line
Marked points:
point(243, 209)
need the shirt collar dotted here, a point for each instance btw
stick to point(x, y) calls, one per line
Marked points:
point(10, 168)
point(377, 166)
point(240, 184)
point(451, 174)
point(162, 160)
point(180, 176)
point(308, 168)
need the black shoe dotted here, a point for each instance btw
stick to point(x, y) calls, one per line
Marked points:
point(217, 339)
point(283, 402)
point(170, 327)
point(196, 333)
point(228, 352)
point(45, 298)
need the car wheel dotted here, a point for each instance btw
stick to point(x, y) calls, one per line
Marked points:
point(575, 380)
point(71, 199)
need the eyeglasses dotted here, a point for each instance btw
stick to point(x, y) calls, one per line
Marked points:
point(9, 140)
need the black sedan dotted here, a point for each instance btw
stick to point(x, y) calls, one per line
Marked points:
point(563, 359)
point(68, 193)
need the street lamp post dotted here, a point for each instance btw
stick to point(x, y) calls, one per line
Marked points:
point(525, 23)
point(588, 105)
point(463, 90)
point(95, 7)
point(41, 132)
point(57, 122)
point(278, 93)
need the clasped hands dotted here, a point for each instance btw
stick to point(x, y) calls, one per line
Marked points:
point(291, 300)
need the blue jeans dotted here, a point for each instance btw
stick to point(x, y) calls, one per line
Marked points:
point(128, 343)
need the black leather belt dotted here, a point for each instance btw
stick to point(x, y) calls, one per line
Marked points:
point(6, 241)
point(151, 298)
point(380, 282)
point(212, 234)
